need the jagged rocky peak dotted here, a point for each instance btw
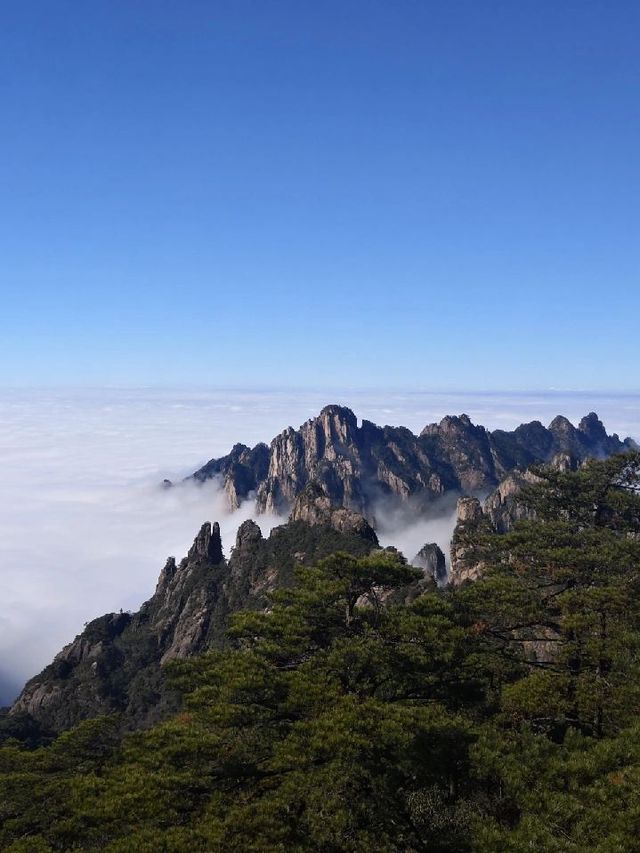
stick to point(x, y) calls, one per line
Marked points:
point(314, 507)
point(240, 471)
point(565, 435)
point(593, 428)
point(326, 449)
point(452, 425)
point(595, 436)
point(116, 663)
point(166, 575)
point(561, 426)
point(338, 422)
point(590, 439)
point(360, 466)
point(207, 544)
point(248, 538)
point(85, 678)
point(248, 534)
point(432, 561)
point(499, 511)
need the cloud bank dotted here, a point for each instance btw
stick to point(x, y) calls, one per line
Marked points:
point(85, 529)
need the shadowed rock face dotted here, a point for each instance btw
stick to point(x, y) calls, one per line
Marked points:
point(358, 466)
point(314, 507)
point(207, 545)
point(241, 471)
point(432, 561)
point(114, 664)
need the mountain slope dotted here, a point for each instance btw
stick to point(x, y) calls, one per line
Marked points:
point(115, 664)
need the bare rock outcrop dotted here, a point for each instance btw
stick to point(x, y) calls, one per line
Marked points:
point(496, 514)
point(207, 545)
point(88, 676)
point(465, 561)
point(240, 472)
point(360, 466)
point(325, 450)
point(314, 507)
point(431, 560)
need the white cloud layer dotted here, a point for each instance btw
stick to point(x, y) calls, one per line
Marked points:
point(84, 528)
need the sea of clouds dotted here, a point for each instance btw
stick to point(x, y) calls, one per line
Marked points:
point(85, 526)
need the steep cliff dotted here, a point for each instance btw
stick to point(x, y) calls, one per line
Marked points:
point(362, 467)
point(241, 471)
point(314, 507)
point(431, 560)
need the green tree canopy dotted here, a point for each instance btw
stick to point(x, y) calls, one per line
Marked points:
point(352, 716)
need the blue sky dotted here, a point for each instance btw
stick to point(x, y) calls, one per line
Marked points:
point(408, 194)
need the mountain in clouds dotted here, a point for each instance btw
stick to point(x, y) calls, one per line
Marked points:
point(367, 467)
point(115, 664)
point(333, 476)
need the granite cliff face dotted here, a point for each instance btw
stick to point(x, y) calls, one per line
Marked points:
point(314, 507)
point(431, 560)
point(362, 467)
point(241, 471)
point(496, 514)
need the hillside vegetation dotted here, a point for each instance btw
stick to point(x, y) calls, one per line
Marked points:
point(501, 715)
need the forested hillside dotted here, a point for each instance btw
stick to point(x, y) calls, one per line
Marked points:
point(498, 715)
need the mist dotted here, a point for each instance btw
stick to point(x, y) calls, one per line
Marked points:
point(85, 527)
point(409, 528)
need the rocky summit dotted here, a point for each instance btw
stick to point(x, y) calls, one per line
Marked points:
point(362, 467)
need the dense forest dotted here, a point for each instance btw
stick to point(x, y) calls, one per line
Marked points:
point(500, 715)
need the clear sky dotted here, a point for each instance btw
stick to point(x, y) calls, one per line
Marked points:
point(406, 193)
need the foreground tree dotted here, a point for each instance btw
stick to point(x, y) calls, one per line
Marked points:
point(330, 726)
point(557, 616)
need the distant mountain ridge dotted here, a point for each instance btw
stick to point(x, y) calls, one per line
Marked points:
point(359, 466)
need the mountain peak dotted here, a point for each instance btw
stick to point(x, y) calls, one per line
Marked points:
point(248, 535)
point(592, 427)
point(336, 410)
point(207, 544)
point(560, 424)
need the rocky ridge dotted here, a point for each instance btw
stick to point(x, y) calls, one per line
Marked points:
point(116, 663)
point(362, 467)
point(313, 506)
